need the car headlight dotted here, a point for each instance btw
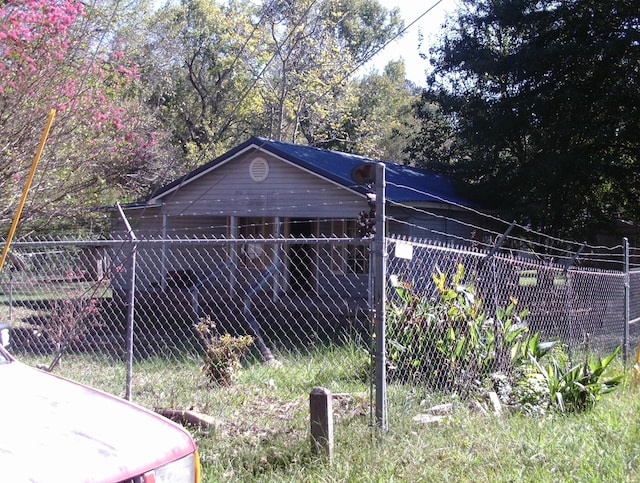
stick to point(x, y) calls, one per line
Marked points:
point(4, 334)
point(184, 470)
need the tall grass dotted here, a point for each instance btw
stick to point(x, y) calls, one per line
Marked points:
point(262, 431)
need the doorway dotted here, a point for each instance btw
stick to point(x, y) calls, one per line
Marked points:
point(301, 256)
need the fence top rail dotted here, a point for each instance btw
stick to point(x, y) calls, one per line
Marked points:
point(509, 257)
point(193, 241)
point(596, 271)
point(435, 246)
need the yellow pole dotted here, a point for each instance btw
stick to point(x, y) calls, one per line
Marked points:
point(16, 217)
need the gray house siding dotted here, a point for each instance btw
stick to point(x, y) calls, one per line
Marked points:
point(288, 191)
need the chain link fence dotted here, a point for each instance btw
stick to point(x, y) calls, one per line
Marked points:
point(128, 316)
point(634, 312)
point(571, 304)
point(452, 309)
point(123, 315)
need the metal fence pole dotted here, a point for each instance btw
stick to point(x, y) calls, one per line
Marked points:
point(131, 298)
point(494, 270)
point(568, 295)
point(131, 293)
point(625, 338)
point(380, 285)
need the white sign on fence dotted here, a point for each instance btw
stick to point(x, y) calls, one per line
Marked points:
point(404, 250)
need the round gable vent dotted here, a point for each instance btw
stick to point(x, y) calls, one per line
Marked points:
point(259, 169)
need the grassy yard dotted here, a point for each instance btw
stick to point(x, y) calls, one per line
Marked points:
point(262, 427)
point(43, 290)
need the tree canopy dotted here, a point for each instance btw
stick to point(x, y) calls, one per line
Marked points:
point(535, 106)
point(55, 54)
point(222, 71)
point(145, 92)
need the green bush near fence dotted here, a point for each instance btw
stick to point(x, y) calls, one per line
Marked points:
point(223, 353)
point(448, 342)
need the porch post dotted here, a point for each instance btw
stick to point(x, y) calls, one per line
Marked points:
point(277, 259)
point(163, 262)
point(234, 256)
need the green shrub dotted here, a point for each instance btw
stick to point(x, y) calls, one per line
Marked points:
point(557, 384)
point(222, 353)
point(448, 341)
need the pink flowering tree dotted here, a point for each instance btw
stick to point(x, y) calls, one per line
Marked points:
point(57, 54)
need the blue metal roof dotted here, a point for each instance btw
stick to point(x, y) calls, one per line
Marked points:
point(404, 183)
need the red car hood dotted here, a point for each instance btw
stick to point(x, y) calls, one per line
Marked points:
point(54, 430)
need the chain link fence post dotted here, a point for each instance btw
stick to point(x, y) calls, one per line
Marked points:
point(625, 338)
point(131, 299)
point(380, 268)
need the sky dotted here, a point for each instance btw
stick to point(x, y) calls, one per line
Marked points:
point(407, 46)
